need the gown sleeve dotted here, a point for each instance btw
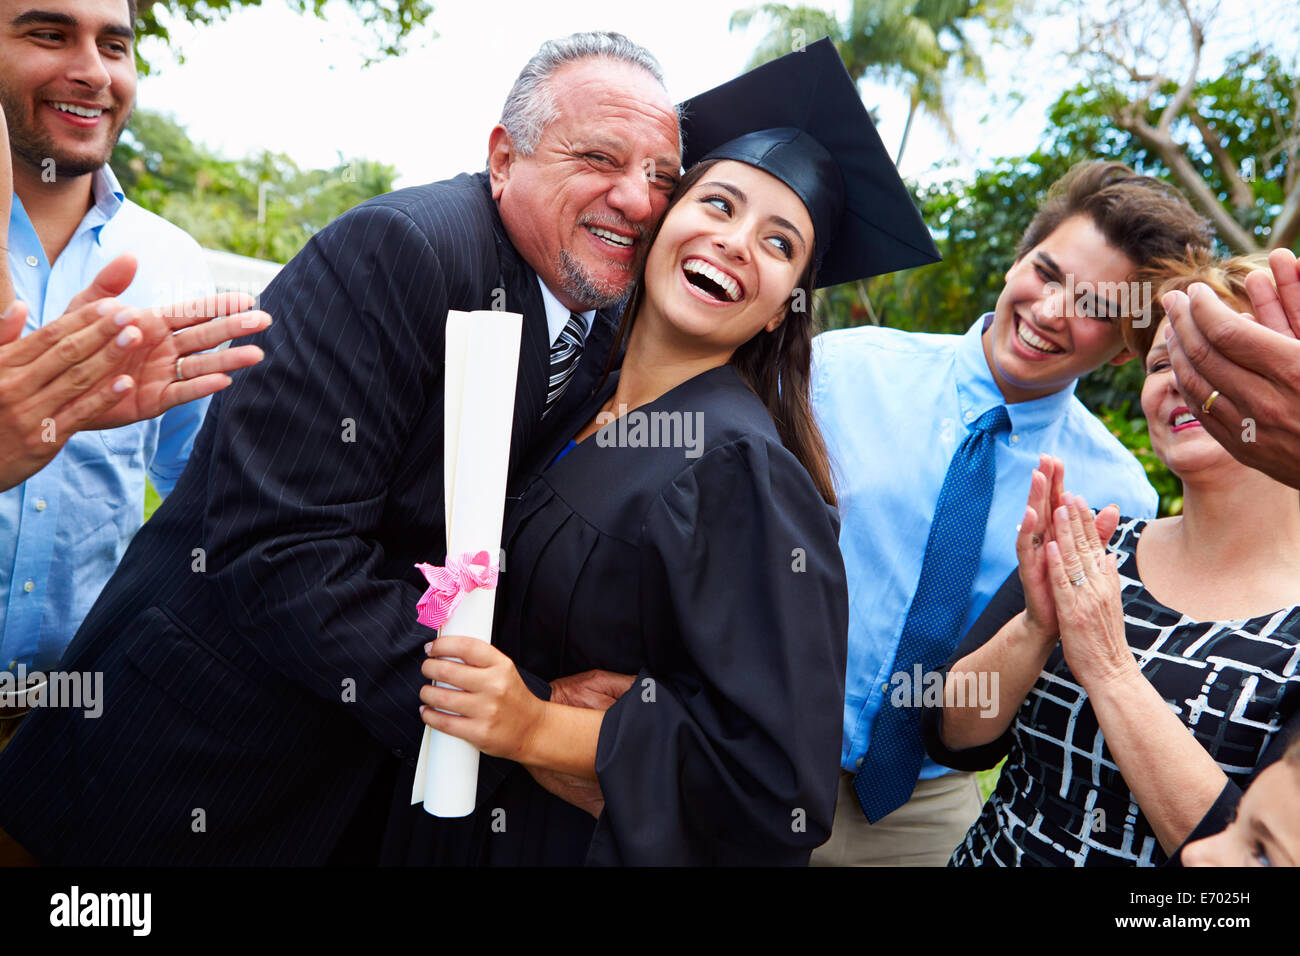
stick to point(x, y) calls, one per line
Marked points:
point(726, 748)
point(1005, 604)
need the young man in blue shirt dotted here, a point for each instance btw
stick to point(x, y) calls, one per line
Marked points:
point(918, 427)
point(67, 87)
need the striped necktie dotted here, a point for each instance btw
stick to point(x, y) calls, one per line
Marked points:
point(564, 358)
point(932, 630)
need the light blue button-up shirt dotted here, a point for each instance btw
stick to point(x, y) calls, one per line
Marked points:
point(63, 531)
point(893, 407)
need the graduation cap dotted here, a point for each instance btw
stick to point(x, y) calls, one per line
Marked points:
point(801, 119)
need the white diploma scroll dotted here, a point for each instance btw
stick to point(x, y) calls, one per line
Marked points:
point(482, 365)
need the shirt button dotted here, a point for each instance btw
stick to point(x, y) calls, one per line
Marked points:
point(969, 416)
point(40, 504)
point(33, 261)
point(29, 587)
point(1014, 439)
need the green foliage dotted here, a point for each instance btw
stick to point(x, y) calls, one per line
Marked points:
point(1130, 427)
point(392, 21)
point(1252, 110)
point(216, 200)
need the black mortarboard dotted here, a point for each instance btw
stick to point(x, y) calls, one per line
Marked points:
point(801, 119)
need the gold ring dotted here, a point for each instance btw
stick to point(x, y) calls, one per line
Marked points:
point(1205, 406)
point(1078, 582)
point(180, 376)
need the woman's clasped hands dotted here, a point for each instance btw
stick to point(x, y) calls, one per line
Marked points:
point(1071, 582)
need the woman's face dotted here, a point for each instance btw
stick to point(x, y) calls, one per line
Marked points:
point(1266, 829)
point(1177, 438)
point(727, 258)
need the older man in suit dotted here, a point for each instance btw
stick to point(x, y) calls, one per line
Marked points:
point(259, 648)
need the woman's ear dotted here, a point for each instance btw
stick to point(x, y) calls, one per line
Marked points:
point(775, 322)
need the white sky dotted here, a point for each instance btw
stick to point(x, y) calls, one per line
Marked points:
point(269, 78)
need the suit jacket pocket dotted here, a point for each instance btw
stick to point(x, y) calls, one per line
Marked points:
point(213, 690)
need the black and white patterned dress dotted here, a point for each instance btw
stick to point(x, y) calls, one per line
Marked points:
point(1061, 800)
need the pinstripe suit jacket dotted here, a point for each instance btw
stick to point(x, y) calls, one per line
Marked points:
point(258, 641)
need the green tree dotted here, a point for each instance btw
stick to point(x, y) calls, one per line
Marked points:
point(919, 45)
point(1231, 142)
point(392, 21)
point(262, 206)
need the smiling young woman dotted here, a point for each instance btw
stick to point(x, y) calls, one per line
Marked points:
point(707, 580)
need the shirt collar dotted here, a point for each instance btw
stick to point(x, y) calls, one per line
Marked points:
point(106, 201)
point(978, 391)
point(557, 316)
point(107, 198)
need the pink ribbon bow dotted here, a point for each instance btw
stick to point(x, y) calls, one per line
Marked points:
point(447, 585)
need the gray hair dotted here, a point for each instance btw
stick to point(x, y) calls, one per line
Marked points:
point(530, 108)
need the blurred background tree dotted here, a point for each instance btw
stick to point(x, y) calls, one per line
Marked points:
point(920, 46)
point(1230, 142)
point(262, 206)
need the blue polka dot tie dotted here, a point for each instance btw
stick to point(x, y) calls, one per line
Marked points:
point(890, 769)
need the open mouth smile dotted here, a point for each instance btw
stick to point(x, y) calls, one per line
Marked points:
point(1034, 342)
point(1182, 418)
point(77, 114)
point(615, 239)
point(712, 282)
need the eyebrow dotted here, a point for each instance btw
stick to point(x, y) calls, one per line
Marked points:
point(1050, 263)
point(779, 220)
point(65, 20)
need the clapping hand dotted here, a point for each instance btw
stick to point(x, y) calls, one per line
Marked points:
point(167, 367)
point(1087, 595)
point(102, 365)
point(1046, 495)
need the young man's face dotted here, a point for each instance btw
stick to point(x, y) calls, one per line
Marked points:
point(67, 81)
point(1040, 341)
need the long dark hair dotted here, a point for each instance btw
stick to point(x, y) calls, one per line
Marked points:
point(777, 366)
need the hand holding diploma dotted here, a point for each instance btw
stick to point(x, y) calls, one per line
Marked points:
point(491, 707)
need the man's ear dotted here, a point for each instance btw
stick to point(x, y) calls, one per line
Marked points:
point(501, 154)
point(1124, 355)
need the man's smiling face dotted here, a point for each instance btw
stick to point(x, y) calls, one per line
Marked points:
point(1039, 343)
point(580, 209)
point(67, 81)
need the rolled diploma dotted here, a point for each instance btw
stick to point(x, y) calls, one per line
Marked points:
point(482, 366)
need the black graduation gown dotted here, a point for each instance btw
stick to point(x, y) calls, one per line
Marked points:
point(717, 580)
